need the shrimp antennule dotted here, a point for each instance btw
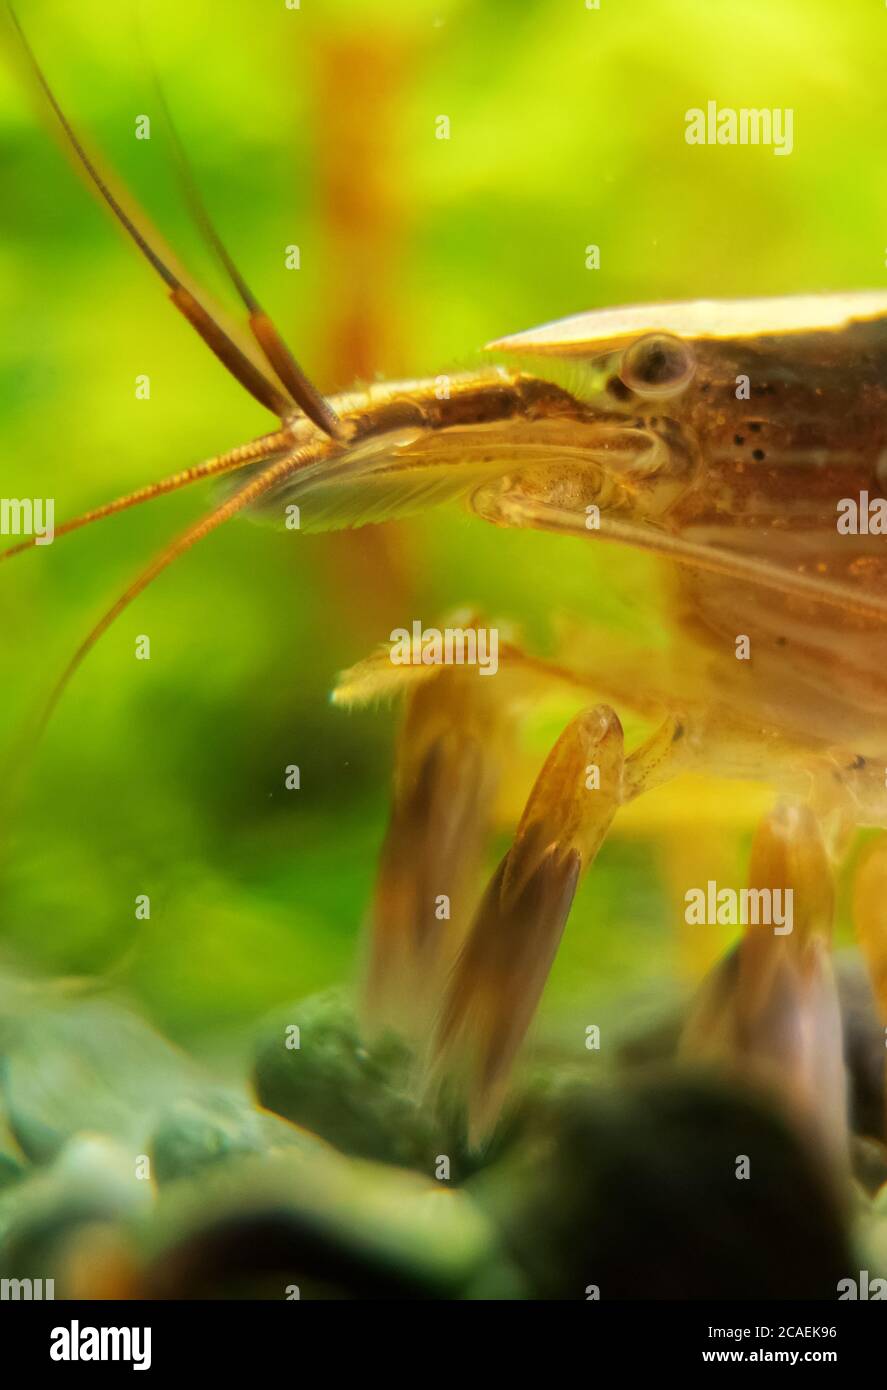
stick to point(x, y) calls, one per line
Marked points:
point(280, 402)
point(275, 350)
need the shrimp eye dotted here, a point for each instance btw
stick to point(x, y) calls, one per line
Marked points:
point(657, 365)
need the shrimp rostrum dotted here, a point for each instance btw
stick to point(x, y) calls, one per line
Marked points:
point(741, 443)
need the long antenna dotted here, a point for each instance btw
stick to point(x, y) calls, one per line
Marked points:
point(276, 352)
point(229, 354)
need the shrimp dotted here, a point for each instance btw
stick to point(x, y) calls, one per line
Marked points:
point(724, 438)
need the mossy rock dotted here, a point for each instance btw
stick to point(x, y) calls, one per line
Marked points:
point(360, 1096)
point(198, 1132)
point(329, 1227)
point(635, 1191)
point(88, 1067)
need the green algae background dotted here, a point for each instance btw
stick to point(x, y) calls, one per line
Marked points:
point(315, 127)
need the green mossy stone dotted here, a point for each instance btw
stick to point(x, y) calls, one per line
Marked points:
point(12, 1170)
point(92, 1180)
point(330, 1226)
point(13, 1164)
point(198, 1132)
point(635, 1190)
point(88, 1067)
point(360, 1096)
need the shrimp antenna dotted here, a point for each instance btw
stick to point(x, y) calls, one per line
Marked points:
point(256, 487)
point(259, 450)
point(264, 481)
point(259, 386)
point(275, 350)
